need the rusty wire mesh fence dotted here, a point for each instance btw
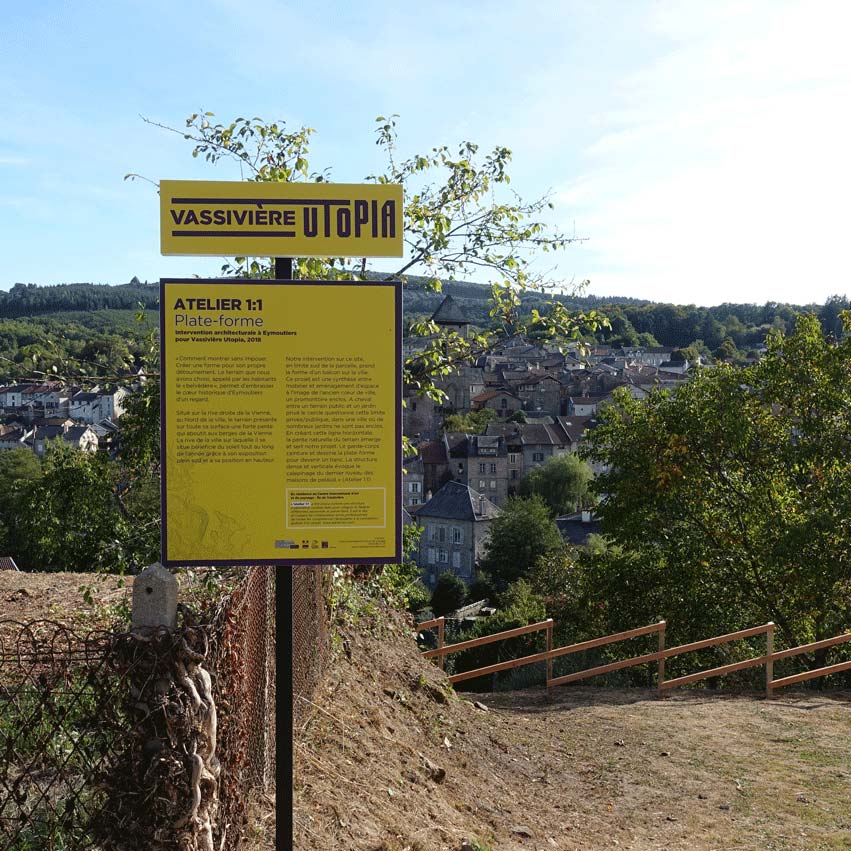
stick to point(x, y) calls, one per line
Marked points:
point(63, 731)
point(310, 640)
point(88, 719)
point(242, 662)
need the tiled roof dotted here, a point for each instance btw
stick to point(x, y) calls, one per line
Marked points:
point(76, 432)
point(48, 432)
point(574, 531)
point(456, 444)
point(455, 501)
point(588, 400)
point(577, 426)
point(434, 452)
point(530, 434)
point(414, 466)
point(449, 313)
point(487, 441)
point(486, 395)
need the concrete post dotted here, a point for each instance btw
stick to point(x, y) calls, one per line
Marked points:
point(154, 598)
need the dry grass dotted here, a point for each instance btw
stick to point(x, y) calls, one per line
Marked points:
point(596, 769)
point(260, 831)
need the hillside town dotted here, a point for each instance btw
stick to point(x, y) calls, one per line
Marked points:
point(539, 403)
point(32, 415)
point(534, 401)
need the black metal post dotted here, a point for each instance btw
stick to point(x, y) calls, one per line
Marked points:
point(284, 668)
point(283, 268)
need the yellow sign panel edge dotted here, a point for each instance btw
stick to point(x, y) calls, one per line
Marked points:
point(214, 241)
point(396, 518)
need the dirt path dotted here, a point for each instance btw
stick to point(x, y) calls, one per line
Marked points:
point(596, 769)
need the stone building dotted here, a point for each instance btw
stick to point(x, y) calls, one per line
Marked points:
point(456, 525)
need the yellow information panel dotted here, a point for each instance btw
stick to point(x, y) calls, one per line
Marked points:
point(280, 219)
point(281, 422)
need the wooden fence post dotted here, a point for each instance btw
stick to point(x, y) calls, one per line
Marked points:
point(549, 660)
point(769, 659)
point(441, 657)
point(661, 677)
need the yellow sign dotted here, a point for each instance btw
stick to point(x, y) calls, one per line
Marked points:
point(280, 219)
point(281, 438)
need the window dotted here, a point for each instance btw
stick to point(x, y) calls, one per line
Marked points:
point(431, 555)
point(482, 484)
point(493, 469)
point(493, 484)
point(514, 474)
point(413, 406)
point(415, 487)
point(441, 534)
point(457, 535)
point(482, 468)
point(415, 501)
point(503, 403)
point(512, 457)
point(442, 556)
point(537, 456)
point(432, 534)
point(456, 559)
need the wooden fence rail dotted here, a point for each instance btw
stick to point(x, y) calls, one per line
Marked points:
point(442, 650)
point(818, 672)
point(659, 656)
point(767, 628)
point(614, 666)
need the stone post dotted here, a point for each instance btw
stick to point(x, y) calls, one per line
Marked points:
point(154, 599)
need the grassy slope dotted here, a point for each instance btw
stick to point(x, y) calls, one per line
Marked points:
point(595, 769)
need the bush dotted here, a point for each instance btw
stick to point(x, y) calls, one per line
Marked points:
point(449, 594)
point(481, 589)
point(521, 533)
point(517, 606)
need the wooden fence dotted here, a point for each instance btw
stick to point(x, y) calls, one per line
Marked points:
point(659, 656)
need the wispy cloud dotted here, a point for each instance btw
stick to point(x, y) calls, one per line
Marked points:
point(723, 168)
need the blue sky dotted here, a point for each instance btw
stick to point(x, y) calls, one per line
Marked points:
point(701, 147)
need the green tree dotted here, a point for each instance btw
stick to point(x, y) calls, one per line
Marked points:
point(459, 220)
point(401, 583)
point(473, 422)
point(19, 470)
point(518, 605)
point(730, 497)
point(482, 588)
point(449, 594)
point(69, 518)
point(727, 351)
point(830, 315)
point(562, 482)
point(521, 533)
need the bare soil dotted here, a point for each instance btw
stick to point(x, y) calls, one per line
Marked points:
point(61, 597)
point(391, 759)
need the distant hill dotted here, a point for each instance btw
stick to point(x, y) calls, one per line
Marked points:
point(33, 300)
point(634, 321)
point(473, 299)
